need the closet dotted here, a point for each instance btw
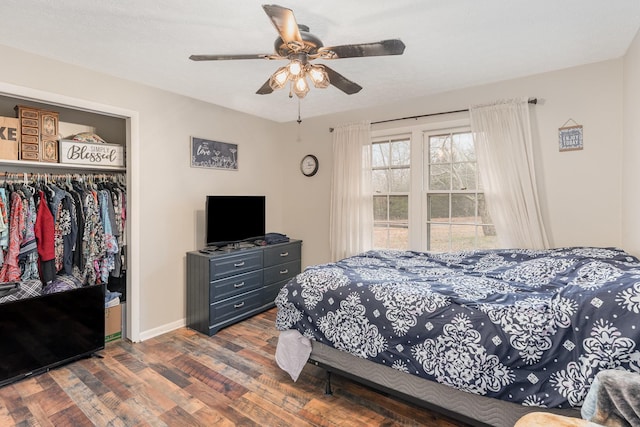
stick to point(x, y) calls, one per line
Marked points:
point(43, 330)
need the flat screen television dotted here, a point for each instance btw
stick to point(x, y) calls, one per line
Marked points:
point(234, 219)
point(40, 333)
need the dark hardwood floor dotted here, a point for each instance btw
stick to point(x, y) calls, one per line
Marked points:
point(184, 378)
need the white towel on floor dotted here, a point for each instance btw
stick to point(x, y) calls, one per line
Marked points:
point(292, 352)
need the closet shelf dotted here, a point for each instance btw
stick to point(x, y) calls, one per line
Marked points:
point(28, 163)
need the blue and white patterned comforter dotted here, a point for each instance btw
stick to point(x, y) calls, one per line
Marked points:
point(531, 327)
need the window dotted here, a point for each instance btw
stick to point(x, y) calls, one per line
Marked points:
point(391, 167)
point(456, 214)
point(427, 191)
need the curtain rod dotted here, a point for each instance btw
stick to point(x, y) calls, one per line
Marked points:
point(531, 101)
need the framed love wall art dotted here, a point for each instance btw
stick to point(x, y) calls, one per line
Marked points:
point(206, 153)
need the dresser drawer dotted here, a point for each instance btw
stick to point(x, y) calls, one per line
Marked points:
point(281, 272)
point(234, 264)
point(281, 253)
point(234, 285)
point(234, 307)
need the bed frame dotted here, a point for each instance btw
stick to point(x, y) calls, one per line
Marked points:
point(466, 407)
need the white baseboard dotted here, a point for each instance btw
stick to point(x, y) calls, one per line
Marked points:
point(151, 333)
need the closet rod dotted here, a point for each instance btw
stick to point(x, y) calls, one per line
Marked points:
point(531, 101)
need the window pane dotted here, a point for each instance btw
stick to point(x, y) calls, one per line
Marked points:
point(440, 149)
point(399, 209)
point(380, 181)
point(438, 207)
point(463, 237)
point(380, 155)
point(463, 208)
point(380, 208)
point(400, 153)
point(462, 148)
point(438, 237)
point(464, 176)
point(380, 236)
point(399, 238)
point(400, 180)
point(391, 237)
point(439, 177)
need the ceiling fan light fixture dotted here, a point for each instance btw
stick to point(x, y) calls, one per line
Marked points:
point(295, 68)
point(279, 78)
point(300, 87)
point(319, 76)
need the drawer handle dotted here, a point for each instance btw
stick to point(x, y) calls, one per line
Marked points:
point(238, 305)
point(238, 285)
point(284, 254)
point(285, 271)
point(239, 264)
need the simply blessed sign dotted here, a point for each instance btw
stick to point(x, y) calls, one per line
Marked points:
point(86, 153)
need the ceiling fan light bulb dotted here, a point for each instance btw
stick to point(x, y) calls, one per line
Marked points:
point(295, 68)
point(300, 87)
point(319, 76)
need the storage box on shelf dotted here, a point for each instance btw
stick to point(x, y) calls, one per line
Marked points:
point(49, 136)
point(29, 119)
point(9, 138)
point(224, 287)
point(38, 134)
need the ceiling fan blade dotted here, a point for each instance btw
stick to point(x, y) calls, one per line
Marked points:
point(341, 82)
point(381, 48)
point(284, 21)
point(265, 89)
point(226, 57)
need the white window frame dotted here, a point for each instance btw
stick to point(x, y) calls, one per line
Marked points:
point(417, 193)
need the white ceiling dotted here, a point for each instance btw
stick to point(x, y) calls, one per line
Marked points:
point(450, 44)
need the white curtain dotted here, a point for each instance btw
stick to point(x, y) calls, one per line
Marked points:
point(503, 142)
point(351, 216)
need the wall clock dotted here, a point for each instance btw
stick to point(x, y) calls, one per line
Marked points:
point(309, 165)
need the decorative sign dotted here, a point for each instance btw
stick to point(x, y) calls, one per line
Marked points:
point(570, 137)
point(86, 153)
point(213, 154)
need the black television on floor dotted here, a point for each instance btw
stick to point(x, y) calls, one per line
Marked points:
point(43, 332)
point(234, 219)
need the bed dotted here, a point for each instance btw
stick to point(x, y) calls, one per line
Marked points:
point(485, 336)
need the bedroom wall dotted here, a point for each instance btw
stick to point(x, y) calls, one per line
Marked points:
point(171, 193)
point(580, 191)
point(631, 149)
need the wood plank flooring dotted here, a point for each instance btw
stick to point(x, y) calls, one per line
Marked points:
point(184, 378)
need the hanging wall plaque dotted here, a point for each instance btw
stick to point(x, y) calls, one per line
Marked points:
point(570, 137)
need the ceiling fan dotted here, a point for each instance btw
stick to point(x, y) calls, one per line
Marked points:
point(300, 47)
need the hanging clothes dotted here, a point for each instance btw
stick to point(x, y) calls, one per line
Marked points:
point(62, 225)
point(93, 247)
point(10, 270)
point(45, 237)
